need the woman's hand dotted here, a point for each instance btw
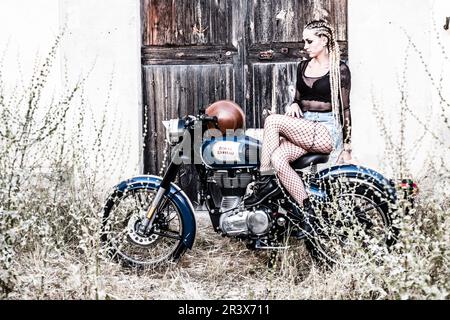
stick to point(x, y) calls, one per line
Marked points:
point(346, 155)
point(294, 111)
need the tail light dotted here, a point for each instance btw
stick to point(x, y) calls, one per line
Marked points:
point(409, 188)
point(408, 192)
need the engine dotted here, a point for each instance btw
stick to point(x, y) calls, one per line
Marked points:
point(232, 183)
point(234, 222)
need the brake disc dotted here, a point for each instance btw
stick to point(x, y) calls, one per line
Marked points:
point(136, 237)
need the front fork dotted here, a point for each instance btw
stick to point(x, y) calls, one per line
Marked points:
point(169, 177)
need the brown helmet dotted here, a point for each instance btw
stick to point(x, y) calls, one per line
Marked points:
point(229, 115)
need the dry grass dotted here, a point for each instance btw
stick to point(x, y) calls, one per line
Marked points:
point(221, 268)
point(217, 268)
point(49, 225)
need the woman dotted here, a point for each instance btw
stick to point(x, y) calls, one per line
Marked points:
point(313, 122)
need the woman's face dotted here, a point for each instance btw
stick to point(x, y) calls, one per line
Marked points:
point(314, 45)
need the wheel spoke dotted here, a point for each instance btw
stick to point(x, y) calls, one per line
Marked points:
point(128, 243)
point(353, 227)
point(168, 234)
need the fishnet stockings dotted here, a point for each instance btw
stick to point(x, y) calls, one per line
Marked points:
point(302, 136)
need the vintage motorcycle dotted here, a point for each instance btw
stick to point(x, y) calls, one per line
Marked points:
point(149, 220)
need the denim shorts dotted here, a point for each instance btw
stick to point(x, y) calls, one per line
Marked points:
point(327, 119)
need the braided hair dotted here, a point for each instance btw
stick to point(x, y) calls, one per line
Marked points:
point(323, 28)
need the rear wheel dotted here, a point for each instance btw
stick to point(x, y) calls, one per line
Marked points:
point(124, 240)
point(354, 227)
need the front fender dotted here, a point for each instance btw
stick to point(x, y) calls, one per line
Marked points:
point(175, 194)
point(360, 173)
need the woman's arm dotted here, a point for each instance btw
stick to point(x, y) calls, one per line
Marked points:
point(346, 119)
point(297, 97)
point(346, 116)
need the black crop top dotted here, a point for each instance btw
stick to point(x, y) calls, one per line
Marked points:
point(314, 94)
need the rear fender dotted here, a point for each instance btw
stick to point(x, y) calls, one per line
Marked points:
point(353, 173)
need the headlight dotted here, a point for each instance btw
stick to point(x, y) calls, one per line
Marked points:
point(174, 130)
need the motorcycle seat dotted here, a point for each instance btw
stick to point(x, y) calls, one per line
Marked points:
point(309, 159)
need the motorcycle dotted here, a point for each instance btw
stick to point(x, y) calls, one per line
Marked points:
point(149, 220)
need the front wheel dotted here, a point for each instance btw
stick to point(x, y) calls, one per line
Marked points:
point(123, 239)
point(354, 226)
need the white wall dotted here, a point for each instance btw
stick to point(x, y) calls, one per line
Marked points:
point(102, 40)
point(104, 35)
point(377, 50)
point(27, 29)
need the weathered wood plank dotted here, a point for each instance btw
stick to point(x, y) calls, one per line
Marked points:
point(286, 23)
point(188, 54)
point(238, 16)
point(150, 141)
point(334, 11)
point(274, 21)
point(273, 88)
point(285, 52)
point(186, 22)
point(340, 14)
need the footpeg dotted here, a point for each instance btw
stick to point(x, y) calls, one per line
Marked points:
point(264, 246)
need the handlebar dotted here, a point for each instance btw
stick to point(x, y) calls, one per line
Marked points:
point(207, 118)
point(190, 120)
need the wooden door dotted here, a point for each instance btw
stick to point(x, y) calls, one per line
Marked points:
point(198, 51)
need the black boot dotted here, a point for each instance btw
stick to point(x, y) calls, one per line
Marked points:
point(309, 220)
point(265, 187)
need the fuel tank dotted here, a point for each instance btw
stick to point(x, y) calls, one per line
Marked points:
point(231, 152)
